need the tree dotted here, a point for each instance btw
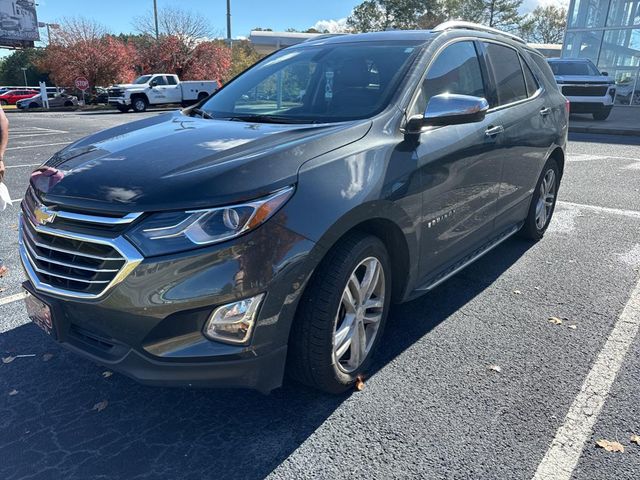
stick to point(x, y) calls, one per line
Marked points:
point(502, 14)
point(170, 54)
point(544, 25)
point(11, 68)
point(377, 15)
point(243, 55)
point(83, 48)
point(188, 26)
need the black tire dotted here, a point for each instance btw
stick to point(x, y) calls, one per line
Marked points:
point(123, 108)
point(202, 96)
point(139, 104)
point(34, 105)
point(4, 102)
point(311, 354)
point(531, 230)
point(601, 116)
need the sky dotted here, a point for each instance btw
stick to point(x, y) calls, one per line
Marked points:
point(246, 14)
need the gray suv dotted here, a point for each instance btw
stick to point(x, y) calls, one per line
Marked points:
point(268, 229)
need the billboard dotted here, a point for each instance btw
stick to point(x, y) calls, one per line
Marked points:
point(18, 23)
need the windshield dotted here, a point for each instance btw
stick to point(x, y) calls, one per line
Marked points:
point(574, 68)
point(142, 79)
point(326, 83)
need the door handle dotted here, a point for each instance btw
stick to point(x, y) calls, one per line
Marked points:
point(545, 111)
point(492, 131)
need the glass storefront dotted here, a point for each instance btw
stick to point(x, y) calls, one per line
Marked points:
point(608, 33)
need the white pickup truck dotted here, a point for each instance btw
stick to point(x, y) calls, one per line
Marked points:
point(158, 89)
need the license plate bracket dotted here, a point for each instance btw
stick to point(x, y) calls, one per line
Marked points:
point(40, 314)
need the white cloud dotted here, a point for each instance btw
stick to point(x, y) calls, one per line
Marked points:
point(333, 26)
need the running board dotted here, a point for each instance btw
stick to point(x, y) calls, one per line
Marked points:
point(469, 259)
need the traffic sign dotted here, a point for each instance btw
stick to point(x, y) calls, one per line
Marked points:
point(82, 83)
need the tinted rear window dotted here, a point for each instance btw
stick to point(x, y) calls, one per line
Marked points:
point(543, 67)
point(507, 72)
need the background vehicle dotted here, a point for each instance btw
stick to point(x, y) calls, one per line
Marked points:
point(588, 90)
point(158, 89)
point(10, 97)
point(271, 226)
point(97, 96)
point(55, 100)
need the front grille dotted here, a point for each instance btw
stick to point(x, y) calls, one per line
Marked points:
point(585, 91)
point(115, 92)
point(69, 263)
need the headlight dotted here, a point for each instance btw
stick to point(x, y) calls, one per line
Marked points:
point(172, 232)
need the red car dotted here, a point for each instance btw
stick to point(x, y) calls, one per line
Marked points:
point(12, 96)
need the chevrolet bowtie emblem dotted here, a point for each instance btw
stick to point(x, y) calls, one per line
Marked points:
point(44, 215)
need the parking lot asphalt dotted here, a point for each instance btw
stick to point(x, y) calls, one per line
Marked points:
point(472, 380)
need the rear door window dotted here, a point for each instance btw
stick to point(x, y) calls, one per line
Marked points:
point(171, 80)
point(507, 72)
point(530, 80)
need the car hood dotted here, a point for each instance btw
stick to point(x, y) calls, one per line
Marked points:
point(174, 161)
point(583, 79)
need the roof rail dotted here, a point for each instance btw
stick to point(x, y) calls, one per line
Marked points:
point(458, 24)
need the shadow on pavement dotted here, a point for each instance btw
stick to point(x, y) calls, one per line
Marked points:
point(49, 430)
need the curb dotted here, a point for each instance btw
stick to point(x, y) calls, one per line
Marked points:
point(627, 132)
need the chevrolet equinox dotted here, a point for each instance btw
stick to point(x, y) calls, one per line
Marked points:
point(269, 228)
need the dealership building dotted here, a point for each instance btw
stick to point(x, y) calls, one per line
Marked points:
point(608, 33)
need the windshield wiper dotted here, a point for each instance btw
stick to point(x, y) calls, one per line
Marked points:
point(202, 113)
point(257, 118)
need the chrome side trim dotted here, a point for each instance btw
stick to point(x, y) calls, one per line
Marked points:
point(465, 264)
point(459, 24)
point(80, 217)
point(130, 255)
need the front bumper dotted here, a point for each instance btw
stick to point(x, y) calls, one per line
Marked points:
point(149, 326)
point(119, 101)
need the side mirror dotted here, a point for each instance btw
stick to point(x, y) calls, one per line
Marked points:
point(153, 83)
point(449, 109)
point(605, 74)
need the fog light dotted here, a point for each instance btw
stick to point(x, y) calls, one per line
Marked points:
point(233, 323)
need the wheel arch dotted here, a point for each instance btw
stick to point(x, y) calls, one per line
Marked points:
point(558, 155)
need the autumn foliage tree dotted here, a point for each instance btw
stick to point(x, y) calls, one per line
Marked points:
point(82, 47)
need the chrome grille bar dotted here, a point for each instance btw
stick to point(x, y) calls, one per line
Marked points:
point(33, 254)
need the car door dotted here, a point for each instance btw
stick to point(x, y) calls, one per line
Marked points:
point(527, 129)
point(173, 90)
point(459, 168)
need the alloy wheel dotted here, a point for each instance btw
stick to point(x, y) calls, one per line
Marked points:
point(546, 199)
point(359, 315)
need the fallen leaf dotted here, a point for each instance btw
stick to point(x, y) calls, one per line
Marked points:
point(635, 439)
point(360, 384)
point(536, 288)
point(3, 289)
point(13, 392)
point(100, 405)
point(47, 356)
point(495, 368)
point(555, 320)
point(572, 327)
point(517, 292)
point(107, 374)
point(610, 446)
point(8, 359)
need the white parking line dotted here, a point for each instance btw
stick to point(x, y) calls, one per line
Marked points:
point(614, 211)
point(13, 298)
point(23, 166)
point(42, 145)
point(34, 134)
point(565, 450)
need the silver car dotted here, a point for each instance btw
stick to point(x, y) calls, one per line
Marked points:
point(55, 100)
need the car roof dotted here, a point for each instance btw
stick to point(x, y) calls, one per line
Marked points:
point(390, 35)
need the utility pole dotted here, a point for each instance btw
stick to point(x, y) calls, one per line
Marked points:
point(24, 72)
point(155, 17)
point(229, 22)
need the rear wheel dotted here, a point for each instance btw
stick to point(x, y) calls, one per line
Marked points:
point(341, 315)
point(543, 202)
point(202, 96)
point(139, 104)
point(4, 102)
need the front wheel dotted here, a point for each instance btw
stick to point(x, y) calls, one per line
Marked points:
point(341, 315)
point(139, 104)
point(543, 202)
